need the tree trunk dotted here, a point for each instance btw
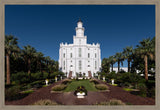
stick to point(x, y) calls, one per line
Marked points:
point(40, 67)
point(128, 65)
point(118, 66)
point(29, 66)
point(112, 67)
point(8, 68)
point(146, 67)
point(37, 65)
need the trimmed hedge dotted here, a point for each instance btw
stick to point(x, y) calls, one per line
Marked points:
point(59, 87)
point(66, 81)
point(101, 86)
point(94, 81)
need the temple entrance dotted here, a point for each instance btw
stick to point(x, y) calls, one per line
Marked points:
point(80, 74)
point(89, 74)
point(70, 74)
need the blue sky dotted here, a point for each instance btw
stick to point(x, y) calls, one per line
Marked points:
point(113, 26)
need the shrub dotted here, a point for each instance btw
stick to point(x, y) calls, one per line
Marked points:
point(127, 84)
point(39, 75)
point(142, 80)
point(101, 86)
point(52, 75)
point(37, 84)
point(45, 102)
point(150, 84)
point(66, 81)
point(25, 87)
point(20, 78)
point(94, 81)
point(59, 87)
point(12, 93)
point(45, 75)
point(115, 102)
point(51, 81)
point(112, 75)
point(151, 92)
point(142, 89)
point(112, 102)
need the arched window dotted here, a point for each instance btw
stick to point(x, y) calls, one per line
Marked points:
point(95, 64)
point(79, 41)
point(88, 55)
point(80, 50)
point(80, 65)
point(71, 55)
point(64, 65)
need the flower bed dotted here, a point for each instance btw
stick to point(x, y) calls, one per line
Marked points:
point(81, 90)
point(94, 81)
point(45, 102)
point(59, 87)
point(66, 81)
point(101, 87)
point(112, 102)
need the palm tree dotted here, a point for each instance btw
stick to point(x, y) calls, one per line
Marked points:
point(10, 48)
point(146, 49)
point(105, 65)
point(112, 61)
point(28, 53)
point(119, 58)
point(39, 57)
point(127, 52)
point(56, 66)
point(47, 60)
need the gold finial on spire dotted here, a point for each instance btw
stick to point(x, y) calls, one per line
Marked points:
point(79, 20)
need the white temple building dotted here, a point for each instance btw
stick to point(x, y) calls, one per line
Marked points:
point(79, 59)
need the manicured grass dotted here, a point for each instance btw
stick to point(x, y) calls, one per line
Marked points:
point(86, 83)
point(113, 84)
point(28, 91)
point(127, 89)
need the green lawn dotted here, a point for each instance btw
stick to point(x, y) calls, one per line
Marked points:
point(74, 84)
point(127, 89)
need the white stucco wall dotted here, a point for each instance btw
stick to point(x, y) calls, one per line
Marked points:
point(121, 68)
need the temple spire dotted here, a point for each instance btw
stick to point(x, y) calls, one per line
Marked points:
point(79, 20)
point(80, 29)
